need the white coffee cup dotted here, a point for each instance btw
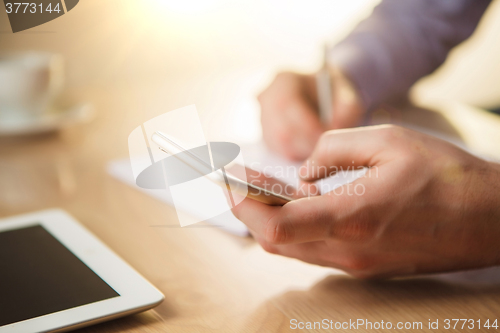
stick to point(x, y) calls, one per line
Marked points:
point(29, 83)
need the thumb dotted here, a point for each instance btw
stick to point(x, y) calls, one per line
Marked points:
point(348, 148)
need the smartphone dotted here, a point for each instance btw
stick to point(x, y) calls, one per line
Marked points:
point(258, 189)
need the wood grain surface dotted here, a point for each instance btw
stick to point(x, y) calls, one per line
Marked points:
point(212, 281)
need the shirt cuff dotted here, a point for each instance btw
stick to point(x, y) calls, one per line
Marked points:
point(367, 66)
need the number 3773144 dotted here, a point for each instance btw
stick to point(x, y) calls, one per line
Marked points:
point(27, 8)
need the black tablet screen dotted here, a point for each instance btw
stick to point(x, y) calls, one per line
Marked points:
point(39, 275)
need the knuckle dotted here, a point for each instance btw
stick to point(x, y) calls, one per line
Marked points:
point(276, 232)
point(363, 229)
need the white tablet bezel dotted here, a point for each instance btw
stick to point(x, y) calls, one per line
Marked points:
point(136, 293)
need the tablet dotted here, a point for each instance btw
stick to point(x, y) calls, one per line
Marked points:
point(56, 276)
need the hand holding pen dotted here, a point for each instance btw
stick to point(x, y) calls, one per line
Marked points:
point(295, 111)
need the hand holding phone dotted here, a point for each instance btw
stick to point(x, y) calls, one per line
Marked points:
point(257, 186)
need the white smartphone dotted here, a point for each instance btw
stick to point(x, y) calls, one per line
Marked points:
point(256, 190)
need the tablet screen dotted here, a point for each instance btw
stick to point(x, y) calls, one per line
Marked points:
point(39, 275)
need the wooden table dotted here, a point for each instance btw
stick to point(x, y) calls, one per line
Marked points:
point(212, 281)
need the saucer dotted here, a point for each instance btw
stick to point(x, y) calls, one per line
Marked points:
point(54, 119)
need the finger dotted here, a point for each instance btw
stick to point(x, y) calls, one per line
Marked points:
point(351, 148)
point(318, 253)
point(308, 252)
point(289, 116)
point(304, 128)
point(292, 131)
point(299, 221)
point(298, 190)
point(349, 214)
point(339, 214)
point(254, 214)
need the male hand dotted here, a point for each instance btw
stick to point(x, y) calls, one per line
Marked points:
point(424, 206)
point(290, 118)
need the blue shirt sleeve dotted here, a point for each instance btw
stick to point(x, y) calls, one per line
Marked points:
point(402, 41)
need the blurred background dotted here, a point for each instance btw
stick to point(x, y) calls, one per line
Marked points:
point(166, 54)
point(133, 60)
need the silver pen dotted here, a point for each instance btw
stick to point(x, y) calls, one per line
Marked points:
point(324, 89)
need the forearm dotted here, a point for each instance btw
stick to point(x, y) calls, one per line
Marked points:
point(403, 41)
